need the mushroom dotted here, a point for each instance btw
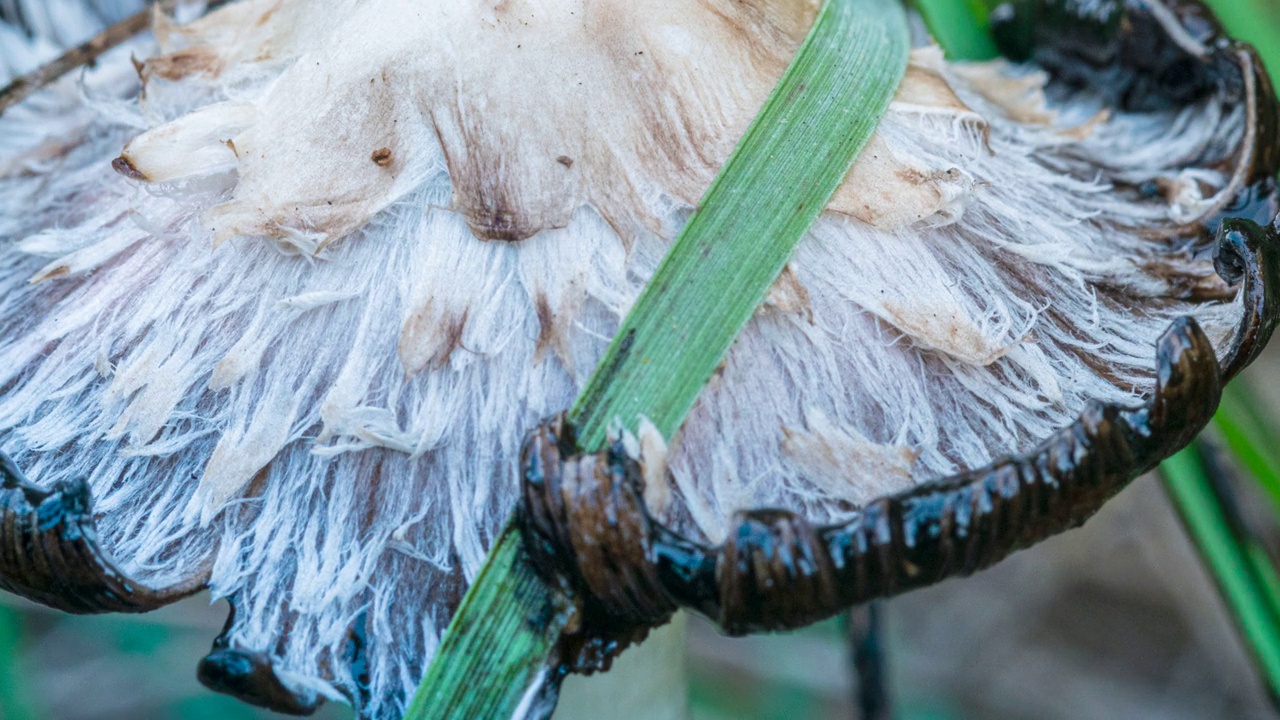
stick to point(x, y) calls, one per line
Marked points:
point(280, 306)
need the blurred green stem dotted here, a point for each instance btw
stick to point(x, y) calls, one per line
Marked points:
point(1241, 569)
point(1256, 22)
point(13, 700)
point(1250, 437)
point(960, 27)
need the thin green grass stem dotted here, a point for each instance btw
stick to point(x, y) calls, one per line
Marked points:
point(1245, 577)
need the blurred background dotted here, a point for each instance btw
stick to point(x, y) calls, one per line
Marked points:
point(1123, 618)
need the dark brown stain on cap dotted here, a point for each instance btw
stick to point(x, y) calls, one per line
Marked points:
point(125, 167)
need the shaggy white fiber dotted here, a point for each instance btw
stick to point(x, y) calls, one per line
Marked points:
point(301, 365)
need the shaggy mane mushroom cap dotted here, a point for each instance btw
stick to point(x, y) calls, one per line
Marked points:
point(285, 298)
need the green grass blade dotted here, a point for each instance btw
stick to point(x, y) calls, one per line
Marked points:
point(498, 642)
point(1250, 437)
point(774, 185)
point(1265, 570)
point(961, 27)
point(1244, 575)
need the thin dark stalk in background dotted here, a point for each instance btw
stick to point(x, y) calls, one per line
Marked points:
point(84, 54)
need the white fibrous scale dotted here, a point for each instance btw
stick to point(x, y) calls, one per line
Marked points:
point(291, 292)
